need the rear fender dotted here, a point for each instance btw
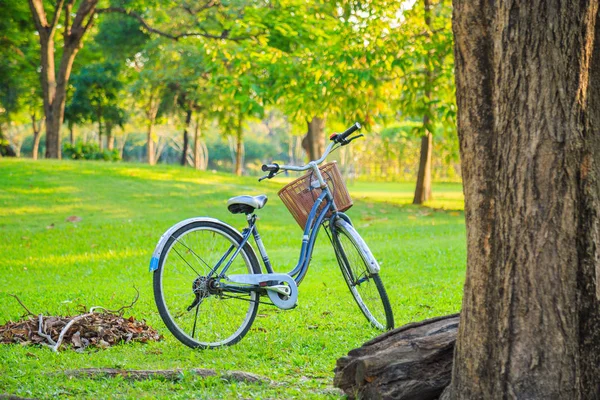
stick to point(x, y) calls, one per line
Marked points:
point(158, 250)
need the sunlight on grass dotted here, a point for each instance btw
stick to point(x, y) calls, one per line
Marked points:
point(54, 265)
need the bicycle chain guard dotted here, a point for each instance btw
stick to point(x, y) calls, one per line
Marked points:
point(284, 294)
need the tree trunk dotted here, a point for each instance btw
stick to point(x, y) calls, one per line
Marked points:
point(186, 140)
point(121, 143)
point(423, 188)
point(72, 134)
point(314, 141)
point(100, 144)
point(37, 133)
point(151, 112)
point(239, 148)
point(150, 144)
point(110, 138)
point(200, 150)
point(528, 96)
point(54, 83)
point(410, 362)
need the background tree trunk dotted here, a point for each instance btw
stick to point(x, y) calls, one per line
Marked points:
point(100, 144)
point(151, 112)
point(528, 95)
point(200, 149)
point(37, 133)
point(186, 140)
point(150, 143)
point(239, 148)
point(54, 84)
point(423, 188)
point(314, 141)
point(110, 138)
point(72, 134)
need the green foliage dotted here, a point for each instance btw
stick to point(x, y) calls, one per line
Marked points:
point(97, 95)
point(377, 62)
point(89, 151)
point(426, 64)
point(20, 91)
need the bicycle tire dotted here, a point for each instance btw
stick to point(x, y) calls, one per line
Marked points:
point(175, 277)
point(366, 287)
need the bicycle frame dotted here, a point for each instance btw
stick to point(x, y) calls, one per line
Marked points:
point(311, 230)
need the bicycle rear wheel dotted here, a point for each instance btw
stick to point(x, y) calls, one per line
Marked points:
point(366, 287)
point(197, 313)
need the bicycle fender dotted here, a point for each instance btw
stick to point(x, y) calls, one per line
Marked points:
point(371, 261)
point(165, 237)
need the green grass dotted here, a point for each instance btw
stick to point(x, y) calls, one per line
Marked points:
point(54, 266)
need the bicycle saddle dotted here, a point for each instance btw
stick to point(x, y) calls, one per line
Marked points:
point(246, 204)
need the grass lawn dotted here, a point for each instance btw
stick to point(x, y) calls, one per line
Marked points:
point(54, 266)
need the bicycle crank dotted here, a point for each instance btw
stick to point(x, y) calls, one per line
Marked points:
point(281, 288)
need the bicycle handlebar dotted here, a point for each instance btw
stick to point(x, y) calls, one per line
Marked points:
point(270, 167)
point(340, 137)
point(337, 138)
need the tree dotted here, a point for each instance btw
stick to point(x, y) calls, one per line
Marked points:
point(211, 20)
point(19, 93)
point(97, 98)
point(425, 65)
point(528, 95)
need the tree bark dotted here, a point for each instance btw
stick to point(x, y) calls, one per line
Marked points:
point(186, 140)
point(423, 188)
point(151, 112)
point(100, 144)
point(110, 138)
point(150, 143)
point(200, 149)
point(197, 145)
point(410, 362)
point(239, 148)
point(314, 141)
point(37, 133)
point(528, 96)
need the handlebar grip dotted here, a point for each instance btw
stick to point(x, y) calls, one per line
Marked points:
point(349, 131)
point(270, 167)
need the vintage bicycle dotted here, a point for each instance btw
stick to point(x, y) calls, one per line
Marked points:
point(208, 282)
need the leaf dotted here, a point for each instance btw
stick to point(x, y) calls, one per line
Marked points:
point(76, 339)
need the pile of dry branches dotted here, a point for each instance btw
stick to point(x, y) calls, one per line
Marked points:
point(98, 327)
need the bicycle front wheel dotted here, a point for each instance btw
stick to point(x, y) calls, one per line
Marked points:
point(366, 287)
point(197, 313)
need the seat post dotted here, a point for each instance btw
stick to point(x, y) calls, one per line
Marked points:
point(261, 247)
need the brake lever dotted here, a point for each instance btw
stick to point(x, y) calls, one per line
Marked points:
point(271, 175)
point(347, 141)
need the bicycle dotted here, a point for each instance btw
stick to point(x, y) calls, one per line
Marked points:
point(206, 263)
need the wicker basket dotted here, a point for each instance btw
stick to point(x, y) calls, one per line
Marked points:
point(300, 195)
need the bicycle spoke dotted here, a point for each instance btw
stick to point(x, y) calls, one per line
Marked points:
point(184, 272)
point(194, 253)
point(184, 260)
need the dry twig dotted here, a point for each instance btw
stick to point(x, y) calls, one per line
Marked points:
point(120, 310)
point(22, 305)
